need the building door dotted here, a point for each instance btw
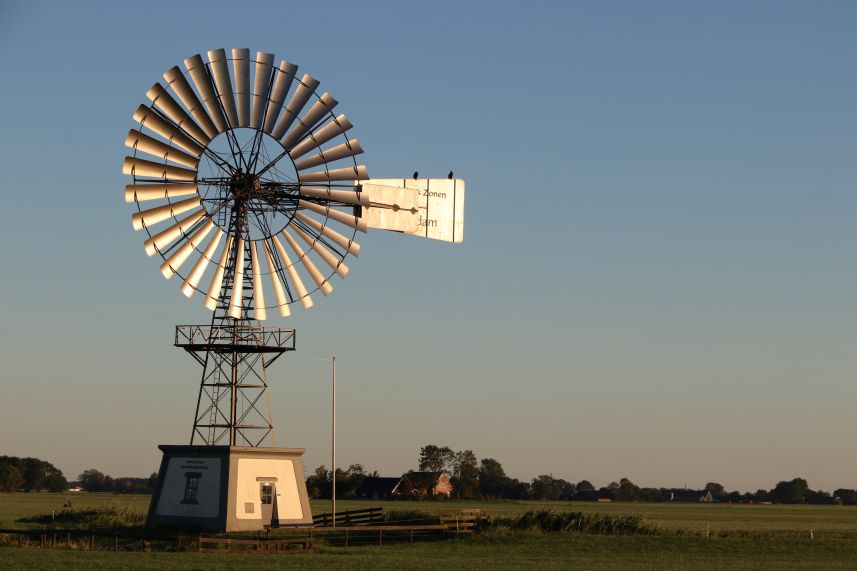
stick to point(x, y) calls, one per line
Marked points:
point(267, 493)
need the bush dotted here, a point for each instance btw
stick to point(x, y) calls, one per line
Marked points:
point(551, 521)
point(106, 516)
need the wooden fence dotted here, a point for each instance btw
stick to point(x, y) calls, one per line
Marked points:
point(301, 544)
point(462, 520)
point(368, 515)
point(355, 527)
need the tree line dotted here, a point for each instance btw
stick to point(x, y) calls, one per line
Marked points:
point(471, 478)
point(93, 480)
point(476, 479)
point(36, 475)
point(30, 475)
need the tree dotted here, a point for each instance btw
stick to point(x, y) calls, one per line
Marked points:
point(349, 480)
point(55, 482)
point(794, 492)
point(651, 495)
point(435, 458)
point(11, 478)
point(34, 474)
point(610, 492)
point(585, 486)
point(628, 491)
point(93, 481)
point(318, 484)
point(492, 478)
point(717, 491)
point(465, 475)
point(818, 497)
point(847, 497)
point(545, 487)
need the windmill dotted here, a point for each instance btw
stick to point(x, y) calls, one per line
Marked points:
point(247, 184)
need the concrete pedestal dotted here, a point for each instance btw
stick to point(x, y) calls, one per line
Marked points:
point(229, 488)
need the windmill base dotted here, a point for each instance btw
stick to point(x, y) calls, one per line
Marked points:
point(229, 488)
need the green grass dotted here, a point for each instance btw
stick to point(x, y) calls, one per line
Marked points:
point(790, 520)
point(778, 538)
point(20, 505)
point(536, 551)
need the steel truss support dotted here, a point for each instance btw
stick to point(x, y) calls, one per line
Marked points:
point(234, 407)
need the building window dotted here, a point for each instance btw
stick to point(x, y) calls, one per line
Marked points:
point(267, 494)
point(191, 487)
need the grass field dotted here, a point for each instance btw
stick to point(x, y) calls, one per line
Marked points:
point(779, 539)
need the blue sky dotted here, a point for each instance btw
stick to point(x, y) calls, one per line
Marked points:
point(658, 277)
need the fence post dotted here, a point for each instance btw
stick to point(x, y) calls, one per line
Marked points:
point(381, 536)
point(115, 542)
point(412, 535)
point(346, 538)
point(92, 542)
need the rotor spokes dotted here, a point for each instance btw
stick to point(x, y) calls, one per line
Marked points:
point(239, 147)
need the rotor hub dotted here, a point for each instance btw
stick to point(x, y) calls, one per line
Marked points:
point(245, 186)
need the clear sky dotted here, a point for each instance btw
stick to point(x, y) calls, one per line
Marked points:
point(659, 274)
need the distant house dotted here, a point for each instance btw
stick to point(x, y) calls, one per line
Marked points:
point(75, 489)
point(419, 484)
point(423, 484)
point(683, 495)
point(376, 488)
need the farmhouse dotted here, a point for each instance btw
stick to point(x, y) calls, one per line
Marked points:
point(684, 495)
point(410, 484)
point(424, 484)
point(377, 488)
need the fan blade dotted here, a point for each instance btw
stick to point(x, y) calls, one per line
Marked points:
point(333, 128)
point(310, 266)
point(241, 66)
point(163, 101)
point(258, 293)
point(335, 263)
point(329, 233)
point(346, 196)
point(341, 217)
point(146, 144)
point(140, 167)
point(279, 292)
point(177, 82)
point(299, 98)
point(213, 295)
point(203, 82)
point(262, 81)
point(143, 192)
point(300, 289)
point(151, 120)
point(220, 73)
point(192, 279)
point(348, 173)
point(285, 76)
point(168, 235)
point(236, 303)
point(160, 213)
point(172, 264)
point(320, 108)
point(350, 149)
